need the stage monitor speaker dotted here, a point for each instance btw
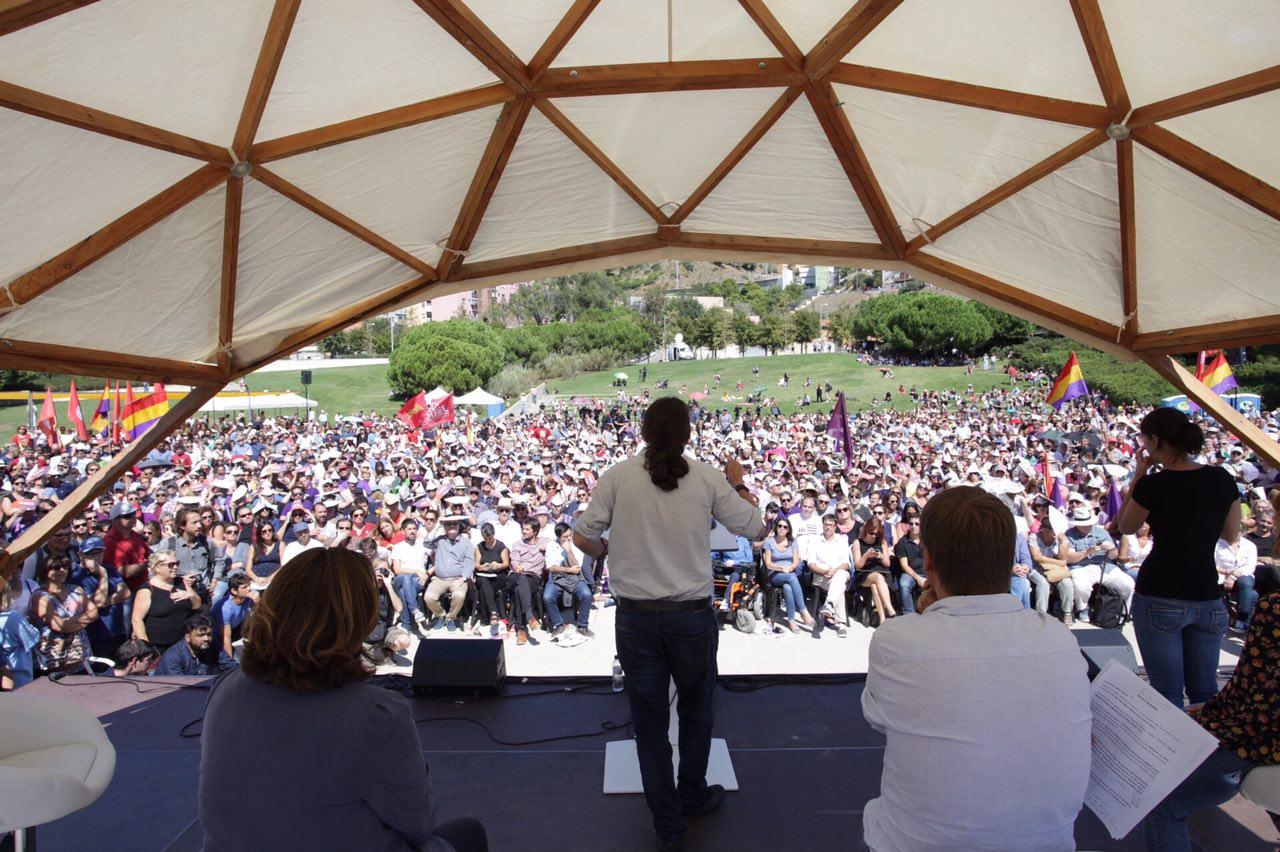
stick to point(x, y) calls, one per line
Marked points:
point(459, 667)
point(1098, 646)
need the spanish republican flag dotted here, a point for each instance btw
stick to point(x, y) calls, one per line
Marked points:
point(141, 414)
point(1069, 384)
point(1217, 375)
point(102, 415)
point(75, 415)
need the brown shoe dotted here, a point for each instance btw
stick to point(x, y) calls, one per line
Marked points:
point(533, 624)
point(522, 636)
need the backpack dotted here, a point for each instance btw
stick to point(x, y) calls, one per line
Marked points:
point(1107, 609)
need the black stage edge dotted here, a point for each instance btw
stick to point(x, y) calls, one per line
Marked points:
point(805, 758)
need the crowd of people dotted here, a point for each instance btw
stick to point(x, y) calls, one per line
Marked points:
point(471, 530)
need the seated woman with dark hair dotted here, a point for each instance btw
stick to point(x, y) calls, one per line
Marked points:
point(335, 763)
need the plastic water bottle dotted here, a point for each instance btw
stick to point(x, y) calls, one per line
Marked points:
point(618, 681)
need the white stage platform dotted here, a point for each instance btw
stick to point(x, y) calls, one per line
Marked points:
point(782, 653)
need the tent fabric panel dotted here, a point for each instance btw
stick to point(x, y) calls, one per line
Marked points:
point(1168, 47)
point(346, 60)
point(1203, 256)
point(1031, 46)
point(63, 184)
point(183, 66)
point(1243, 133)
point(668, 142)
point(807, 21)
point(296, 268)
point(405, 185)
point(932, 158)
point(522, 26)
point(551, 196)
point(156, 295)
point(789, 185)
point(1058, 238)
point(622, 31)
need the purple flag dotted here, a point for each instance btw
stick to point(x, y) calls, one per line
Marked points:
point(1114, 501)
point(838, 429)
point(1059, 495)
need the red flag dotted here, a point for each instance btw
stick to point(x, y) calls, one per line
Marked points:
point(410, 414)
point(48, 422)
point(76, 415)
point(116, 416)
point(439, 410)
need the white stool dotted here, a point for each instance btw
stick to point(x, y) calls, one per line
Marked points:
point(55, 759)
point(1261, 786)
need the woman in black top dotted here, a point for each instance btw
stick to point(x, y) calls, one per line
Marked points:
point(493, 561)
point(161, 608)
point(1179, 616)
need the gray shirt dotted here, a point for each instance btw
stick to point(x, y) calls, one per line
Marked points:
point(455, 558)
point(338, 769)
point(659, 540)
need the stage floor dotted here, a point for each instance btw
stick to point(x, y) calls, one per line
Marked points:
point(805, 759)
point(761, 653)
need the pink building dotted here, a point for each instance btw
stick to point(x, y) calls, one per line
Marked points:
point(467, 304)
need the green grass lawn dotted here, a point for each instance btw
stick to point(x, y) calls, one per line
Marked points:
point(860, 384)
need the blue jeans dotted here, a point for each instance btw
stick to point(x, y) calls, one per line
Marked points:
point(1214, 782)
point(1180, 643)
point(654, 649)
point(581, 603)
point(1246, 597)
point(1020, 588)
point(409, 588)
point(906, 591)
point(792, 593)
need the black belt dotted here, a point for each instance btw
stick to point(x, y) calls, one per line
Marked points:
point(691, 605)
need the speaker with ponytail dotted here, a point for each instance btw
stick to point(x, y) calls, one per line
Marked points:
point(1175, 429)
point(665, 430)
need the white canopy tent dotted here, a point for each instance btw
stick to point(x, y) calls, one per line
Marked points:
point(1104, 167)
point(479, 396)
point(256, 402)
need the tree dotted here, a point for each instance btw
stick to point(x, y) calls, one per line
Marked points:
point(338, 344)
point(712, 331)
point(840, 325)
point(743, 332)
point(524, 344)
point(775, 332)
point(457, 355)
point(1006, 328)
point(807, 327)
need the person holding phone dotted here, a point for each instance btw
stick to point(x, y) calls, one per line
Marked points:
point(162, 606)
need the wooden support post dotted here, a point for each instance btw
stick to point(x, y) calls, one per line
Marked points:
point(1183, 379)
point(110, 471)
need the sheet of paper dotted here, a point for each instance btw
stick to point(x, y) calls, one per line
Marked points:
point(1143, 747)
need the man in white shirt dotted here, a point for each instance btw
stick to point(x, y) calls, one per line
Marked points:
point(829, 562)
point(506, 529)
point(409, 566)
point(958, 772)
point(304, 541)
point(806, 525)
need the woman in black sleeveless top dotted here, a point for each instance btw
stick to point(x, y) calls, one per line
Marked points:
point(493, 561)
point(161, 608)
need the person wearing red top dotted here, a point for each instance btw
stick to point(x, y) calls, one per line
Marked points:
point(125, 549)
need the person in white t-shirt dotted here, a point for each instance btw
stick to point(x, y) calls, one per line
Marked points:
point(409, 566)
point(303, 542)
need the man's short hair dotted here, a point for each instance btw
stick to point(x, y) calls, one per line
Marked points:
point(133, 649)
point(238, 580)
point(968, 535)
point(196, 622)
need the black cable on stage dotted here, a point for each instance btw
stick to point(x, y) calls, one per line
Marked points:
point(606, 727)
point(103, 680)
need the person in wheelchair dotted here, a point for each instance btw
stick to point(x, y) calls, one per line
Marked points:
point(730, 565)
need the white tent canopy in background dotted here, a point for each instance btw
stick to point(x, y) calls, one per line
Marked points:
point(256, 402)
point(192, 189)
point(479, 396)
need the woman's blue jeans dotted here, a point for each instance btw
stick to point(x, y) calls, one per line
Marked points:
point(1180, 642)
point(792, 593)
point(1214, 782)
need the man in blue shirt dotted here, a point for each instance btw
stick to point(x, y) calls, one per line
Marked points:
point(195, 654)
point(232, 611)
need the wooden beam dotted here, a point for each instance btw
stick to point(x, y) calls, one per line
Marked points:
point(1254, 331)
point(340, 219)
point(483, 184)
point(1182, 379)
point(1128, 241)
point(111, 470)
point(230, 266)
point(754, 135)
point(782, 245)
point(853, 27)
point(264, 73)
point(1093, 29)
point(1251, 190)
point(1257, 83)
point(556, 257)
point(560, 35)
point(381, 122)
point(457, 20)
point(850, 154)
point(111, 236)
point(97, 121)
point(54, 358)
point(775, 32)
point(1030, 302)
point(565, 82)
point(602, 160)
point(1011, 187)
point(967, 94)
point(18, 14)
